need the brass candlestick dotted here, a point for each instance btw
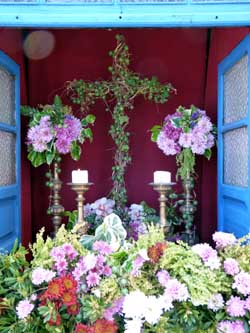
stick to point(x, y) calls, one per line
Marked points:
point(80, 189)
point(163, 189)
point(56, 208)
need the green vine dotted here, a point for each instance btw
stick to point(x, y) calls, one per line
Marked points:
point(185, 162)
point(118, 95)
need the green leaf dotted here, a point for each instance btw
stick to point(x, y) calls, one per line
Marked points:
point(57, 103)
point(155, 131)
point(50, 156)
point(75, 151)
point(36, 158)
point(208, 153)
point(88, 133)
point(90, 119)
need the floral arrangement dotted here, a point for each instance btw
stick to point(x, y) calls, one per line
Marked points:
point(135, 217)
point(53, 131)
point(185, 133)
point(149, 284)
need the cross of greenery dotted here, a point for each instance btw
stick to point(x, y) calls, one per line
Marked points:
point(118, 95)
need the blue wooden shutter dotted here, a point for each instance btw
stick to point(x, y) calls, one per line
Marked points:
point(233, 141)
point(10, 219)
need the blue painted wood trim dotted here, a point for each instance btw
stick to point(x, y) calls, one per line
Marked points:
point(15, 189)
point(118, 14)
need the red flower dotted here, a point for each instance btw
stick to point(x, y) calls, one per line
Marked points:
point(69, 283)
point(55, 321)
point(73, 309)
point(105, 326)
point(69, 298)
point(156, 251)
point(81, 328)
point(55, 289)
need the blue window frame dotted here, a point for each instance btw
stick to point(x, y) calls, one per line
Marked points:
point(10, 174)
point(124, 13)
point(233, 141)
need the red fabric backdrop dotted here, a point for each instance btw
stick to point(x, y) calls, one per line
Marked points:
point(11, 44)
point(174, 55)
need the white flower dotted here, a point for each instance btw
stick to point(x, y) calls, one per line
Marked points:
point(89, 261)
point(153, 310)
point(144, 254)
point(166, 302)
point(216, 302)
point(134, 304)
point(40, 275)
point(133, 326)
point(24, 308)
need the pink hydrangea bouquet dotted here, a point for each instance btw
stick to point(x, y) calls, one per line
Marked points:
point(185, 133)
point(54, 130)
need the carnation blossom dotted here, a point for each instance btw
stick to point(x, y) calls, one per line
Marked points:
point(24, 308)
point(207, 254)
point(236, 307)
point(133, 305)
point(231, 266)
point(40, 275)
point(227, 326)
point(242, 283)
point(102, 247)
point(223, 239)
point(176, 290)
point(168, 146)
point(152, 310)
point(92, 279)
point(163, 277)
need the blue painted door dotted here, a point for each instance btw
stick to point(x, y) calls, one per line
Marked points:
point(10, 217)
point(233, 141)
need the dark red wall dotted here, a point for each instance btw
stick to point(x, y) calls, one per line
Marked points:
point(222, 42)
point(174, 55)
point(11, 44)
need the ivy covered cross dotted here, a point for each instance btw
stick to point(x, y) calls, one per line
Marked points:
point(118, 95)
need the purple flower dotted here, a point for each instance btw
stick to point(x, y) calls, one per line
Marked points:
point(63, 145)
point(231, 266)
point(136, 228)
point(247, 303)
point(92, 279)
point(107, 271)
point(103, 207)
point(61, 265)
point(163, 277)
point(216, 302)
point(242, 283)
point(223, 239)
point(138, 262)
point(199, 141)
point(168, 146)
point(185, 140)
point(102, 247)
point(24, 308)
point(74, 127)
point(227, 326)
point(116, 307)
point(236, 307)
point(136, 212)
point(204, 124)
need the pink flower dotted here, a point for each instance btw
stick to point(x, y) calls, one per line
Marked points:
point(107, 271)
point(168, 146)
point(40, 275)
point(247, 304)
point(113, 309)
point(24, 308)
point(231, 266)
point(242, 283)
point(92, 279)
point(163, 277)
point(216, 302)
point(185, 140)
point(204, 124)
point(223, 239)
point(236, 307)
point(227, 326)
point(61, 265)
point(102, 247)
point(207, 254)
point(69, 250)
point(176, 290)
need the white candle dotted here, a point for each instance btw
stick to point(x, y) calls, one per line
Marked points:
point(162, 177)
point(80, 176)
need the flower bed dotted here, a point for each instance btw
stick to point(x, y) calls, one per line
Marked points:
point(149, 283)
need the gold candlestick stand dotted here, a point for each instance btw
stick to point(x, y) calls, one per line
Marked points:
point(80, 189)
point(56, 208)
point(163, 189)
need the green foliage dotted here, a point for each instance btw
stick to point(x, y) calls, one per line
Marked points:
point(185, 162)
point(118, 95)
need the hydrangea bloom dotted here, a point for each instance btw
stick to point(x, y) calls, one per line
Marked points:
point(223, 239)
point(231, 266)
point(207, 254)
point(24, 308)
point(242, 283)
point(236, 307)
point(176, 290)
point(103, 206)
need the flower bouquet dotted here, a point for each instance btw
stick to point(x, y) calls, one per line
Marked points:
point(185, 133)
point(148, 284)
point(54, 130)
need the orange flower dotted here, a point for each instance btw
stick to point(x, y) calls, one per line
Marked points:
point(105, 326)
point(156, 251)
point(73, 309)
point(69, 298)
point(55, 289)
point(68, 282)
point(81, 328)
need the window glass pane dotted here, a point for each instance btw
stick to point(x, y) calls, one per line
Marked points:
point(8, 158)
point(81, 1)
point(236, 157)
point(153, 1)
point(224, 1)
point(7, 97)
point(235, 91)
